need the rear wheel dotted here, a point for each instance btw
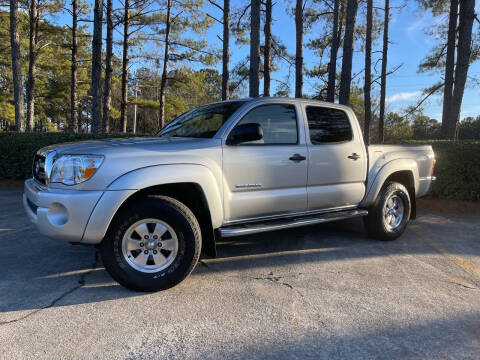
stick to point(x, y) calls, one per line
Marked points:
point(389, 216)
point(152, 245)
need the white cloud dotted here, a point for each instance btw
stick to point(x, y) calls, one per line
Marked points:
point(402, 96)
point(414, 27)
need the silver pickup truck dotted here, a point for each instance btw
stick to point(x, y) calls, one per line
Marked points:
point(231, 168)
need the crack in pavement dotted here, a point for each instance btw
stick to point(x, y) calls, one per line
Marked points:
point(270, 277)
point(80, 284)
point(274, 279)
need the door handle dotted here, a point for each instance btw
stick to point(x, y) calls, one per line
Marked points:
point(297, 158)
point(354, 156)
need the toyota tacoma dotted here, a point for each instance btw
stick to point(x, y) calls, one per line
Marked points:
point(153, 204)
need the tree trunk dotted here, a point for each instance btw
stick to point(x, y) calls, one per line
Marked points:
point(368, 73)
point(254, 82)
point(32, 64)
point(96, 125)
point(449, 70)
point(267, 47)
point(73, 126)
point(464, 51)
point(126, 35)
point(346, 77)
point(226, 49)
point(16, 67)
point(341, 15)
point(332, 71)
point(107, 91)
point(383, 81)
point(299, 48)
point(163, 83)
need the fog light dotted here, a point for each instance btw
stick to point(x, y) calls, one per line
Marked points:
point(57, 214)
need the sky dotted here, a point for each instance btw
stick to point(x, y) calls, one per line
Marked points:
point(409, 45)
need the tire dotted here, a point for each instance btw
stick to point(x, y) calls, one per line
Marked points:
point(381, 222)
point(152, 245)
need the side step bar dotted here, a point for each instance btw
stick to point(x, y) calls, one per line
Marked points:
point(253, 228)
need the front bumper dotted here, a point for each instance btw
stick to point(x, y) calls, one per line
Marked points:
point(59, 214)
point(80, 216)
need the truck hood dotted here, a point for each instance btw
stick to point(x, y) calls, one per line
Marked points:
point(124, 155)
point(119, 145)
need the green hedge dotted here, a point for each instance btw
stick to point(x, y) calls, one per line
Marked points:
point(17, 149)
point(457, 169)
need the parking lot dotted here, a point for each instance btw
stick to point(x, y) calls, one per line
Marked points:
point(318, 292)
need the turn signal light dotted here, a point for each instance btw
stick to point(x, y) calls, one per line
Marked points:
point(433, 167)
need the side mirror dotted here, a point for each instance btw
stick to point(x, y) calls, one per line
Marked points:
point(244, 133)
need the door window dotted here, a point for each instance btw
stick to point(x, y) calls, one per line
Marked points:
point(278, 121)
point(328, 125)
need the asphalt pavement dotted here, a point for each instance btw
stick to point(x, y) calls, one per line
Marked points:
point(320, 292)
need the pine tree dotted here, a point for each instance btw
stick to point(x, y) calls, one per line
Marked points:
point(299, 48)
point(383, 76)
point(97, 66)
point(254, 81)
point(163, 84)
point(16, 66)
point(32, 63)
point(332, 71)
point(125, 60)
point(225, 22)
point(107, 89)
point(267, 57)
point(73, 125)
point(368, 72)
point(346, 77)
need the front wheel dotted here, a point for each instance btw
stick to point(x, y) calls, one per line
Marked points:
point(389, 216)
point(152, 245)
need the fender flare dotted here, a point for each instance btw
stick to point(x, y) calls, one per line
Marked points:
point(175, 173)
point(127, 185)
point(375, 184)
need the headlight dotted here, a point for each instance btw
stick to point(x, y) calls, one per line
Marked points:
point(74, 169)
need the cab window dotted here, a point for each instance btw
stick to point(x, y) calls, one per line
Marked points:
point(278, 121)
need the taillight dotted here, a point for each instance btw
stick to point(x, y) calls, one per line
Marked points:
point(433, 167)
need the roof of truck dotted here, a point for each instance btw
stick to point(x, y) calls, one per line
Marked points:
point(287, 99)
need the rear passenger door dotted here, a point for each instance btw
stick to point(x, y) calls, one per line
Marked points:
point(337, 165)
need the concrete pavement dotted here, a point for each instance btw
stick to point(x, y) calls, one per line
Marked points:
point(318, 292)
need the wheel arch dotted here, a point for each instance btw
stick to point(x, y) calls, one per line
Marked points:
point(405, 177)
point(191, 195)
point(202, 196)
point(403, 171)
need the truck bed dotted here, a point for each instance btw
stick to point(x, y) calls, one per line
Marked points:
point(381, 155)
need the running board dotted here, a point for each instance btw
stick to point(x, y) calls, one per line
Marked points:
point(253, 228)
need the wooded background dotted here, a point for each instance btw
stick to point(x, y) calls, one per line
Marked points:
point(68, 77)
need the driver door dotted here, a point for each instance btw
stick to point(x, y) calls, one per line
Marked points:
point(267, 177)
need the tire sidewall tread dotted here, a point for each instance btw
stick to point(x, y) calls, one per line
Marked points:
point(187, 229)
point(374, 223)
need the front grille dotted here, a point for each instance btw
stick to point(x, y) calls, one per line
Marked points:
point(39, 169)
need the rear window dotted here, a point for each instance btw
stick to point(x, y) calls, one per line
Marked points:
point(328, 125)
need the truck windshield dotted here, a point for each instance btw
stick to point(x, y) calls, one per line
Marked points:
point(201, 122)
